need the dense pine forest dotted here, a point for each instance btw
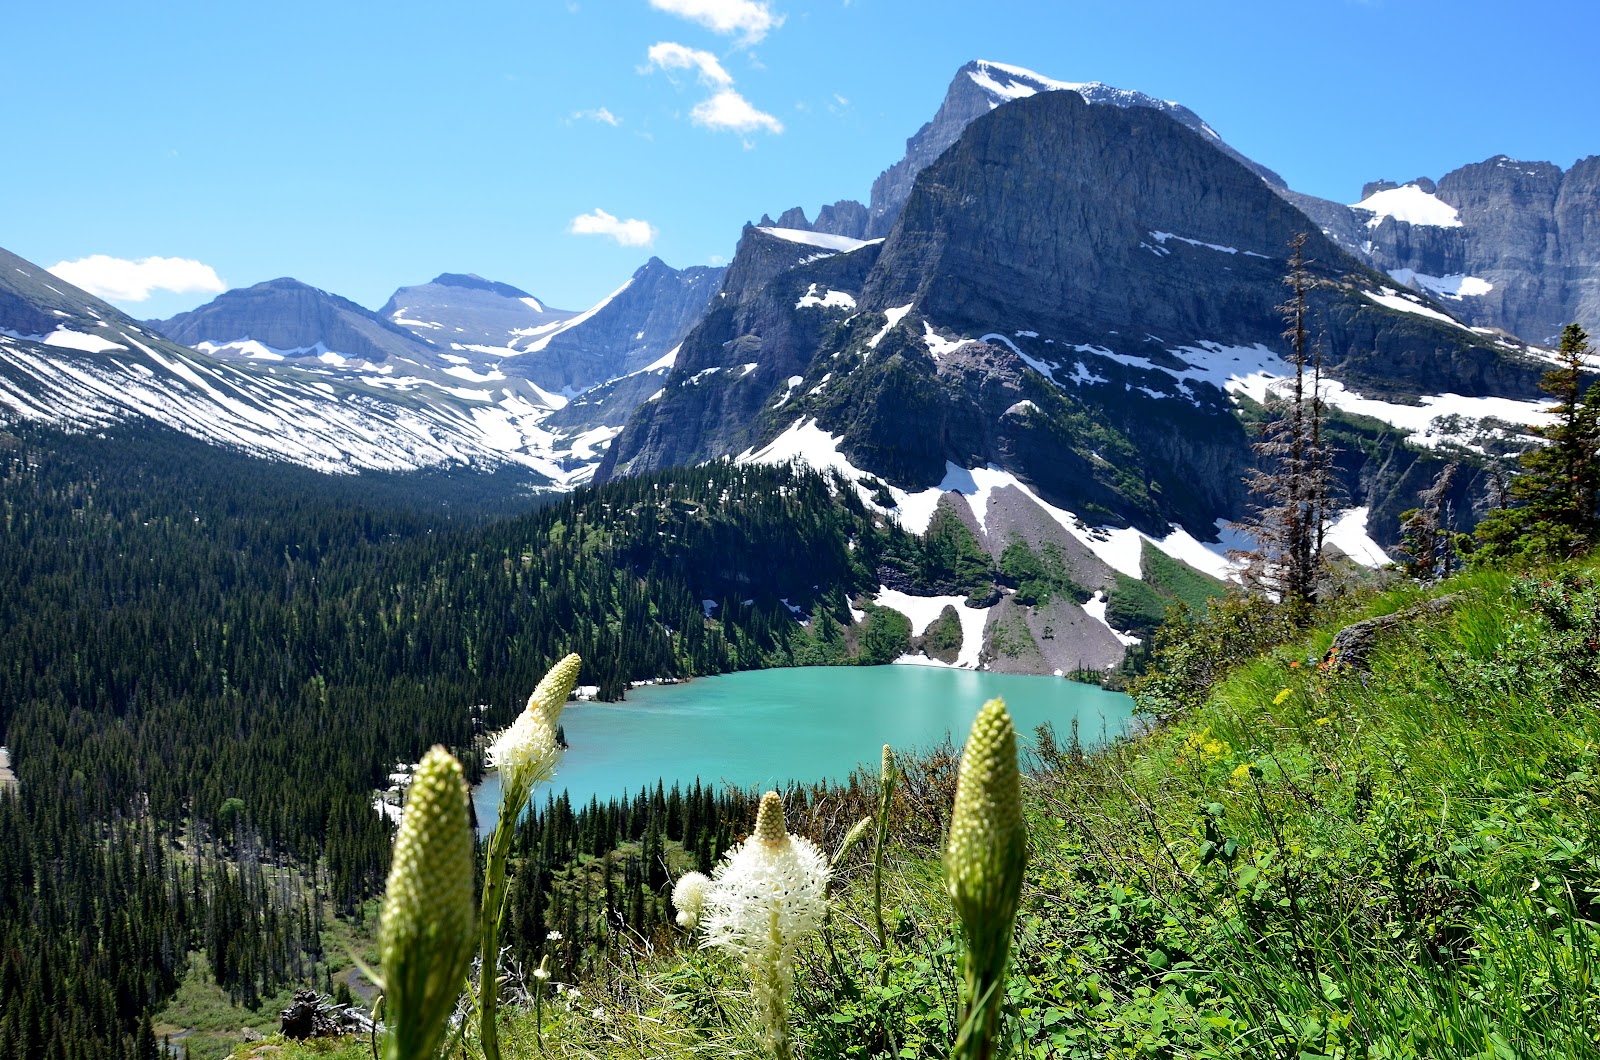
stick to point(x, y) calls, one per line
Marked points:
point(211, 662)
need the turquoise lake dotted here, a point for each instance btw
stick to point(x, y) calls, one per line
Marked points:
point(764, 728)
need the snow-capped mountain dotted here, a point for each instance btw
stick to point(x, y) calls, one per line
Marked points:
point(69, 359)
point(466, 313)
point(979, 87)
point(286, 321)
point(1505, 244)
point(1078, 296)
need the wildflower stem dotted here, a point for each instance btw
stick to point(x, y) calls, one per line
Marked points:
point(886, 785)
point(495, 894)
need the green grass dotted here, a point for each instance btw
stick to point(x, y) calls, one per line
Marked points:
point(1313, 863)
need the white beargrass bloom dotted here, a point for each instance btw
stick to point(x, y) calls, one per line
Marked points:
point(526, 752)
point(766, 895)
point(689, 898)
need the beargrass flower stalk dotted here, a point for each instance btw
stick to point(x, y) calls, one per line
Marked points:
point(983, 864)
point(888, 777)
point(525, 754)
point(766, 895)
point(689, 898)
point(425, 929)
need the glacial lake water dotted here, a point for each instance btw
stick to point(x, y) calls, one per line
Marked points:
point(764, 728)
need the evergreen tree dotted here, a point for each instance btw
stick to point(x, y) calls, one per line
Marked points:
point(1292, 482)
point(1554, 500)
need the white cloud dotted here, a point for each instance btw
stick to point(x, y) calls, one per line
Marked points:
point(630, 233)
point(121, 280)
point(751, 19)
point(669, 56)
point(731, 111)
point(600, 114)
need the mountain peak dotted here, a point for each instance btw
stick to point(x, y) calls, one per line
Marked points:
point(473, 282)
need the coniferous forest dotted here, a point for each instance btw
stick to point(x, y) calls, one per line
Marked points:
point(210, 663)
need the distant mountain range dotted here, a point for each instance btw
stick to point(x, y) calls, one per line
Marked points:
point(1053, 319)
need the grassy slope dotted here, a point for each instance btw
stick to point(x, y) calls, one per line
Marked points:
point(1316, 863)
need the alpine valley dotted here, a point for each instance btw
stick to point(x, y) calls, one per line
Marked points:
point(1054, 322)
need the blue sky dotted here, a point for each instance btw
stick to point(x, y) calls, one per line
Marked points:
point(361, 146)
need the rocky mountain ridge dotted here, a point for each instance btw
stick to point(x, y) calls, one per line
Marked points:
point(1519, 253)
point(1083, 319)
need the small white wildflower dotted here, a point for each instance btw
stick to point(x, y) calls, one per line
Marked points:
point(554, 936)
point(542, 973)
point(689, 898)
point(598, 1013)
point(768, 894)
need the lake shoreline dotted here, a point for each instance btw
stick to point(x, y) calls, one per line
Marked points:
point(781, 725)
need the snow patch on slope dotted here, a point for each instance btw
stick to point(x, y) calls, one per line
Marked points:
point(1095, 608)
point(1349, 533)
point(923, 610)
point(895, 315)
point(826, 241)
point(1412, 205)
point(1457, 285)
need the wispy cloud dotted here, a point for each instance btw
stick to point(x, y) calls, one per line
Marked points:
point(599, 114)
point(751, 20)
point(122, 280)
point(669, 56)
point(727, 110)
point(630, 233)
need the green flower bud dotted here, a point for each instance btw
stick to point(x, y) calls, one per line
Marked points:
point(851, 838)
point(425, 931)
point(770, 829)
point(983, 866)
point(551, 693)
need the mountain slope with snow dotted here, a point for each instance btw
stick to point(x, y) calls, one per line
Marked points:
point(456, 311)
point(73, 361)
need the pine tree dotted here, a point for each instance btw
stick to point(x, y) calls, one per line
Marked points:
point(1293, 480)
point(1555, 497)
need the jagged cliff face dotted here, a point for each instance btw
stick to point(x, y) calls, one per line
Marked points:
point(1519, 250)
point(1072, 292)
point(979, 87)
point(1516, 245)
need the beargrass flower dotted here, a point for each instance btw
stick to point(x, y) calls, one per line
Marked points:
point(768, 894)
point(525, 753)
point(983, 865)
point(425, 930)
point(689, 898)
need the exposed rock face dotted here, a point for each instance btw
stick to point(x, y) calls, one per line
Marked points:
point(287, 315)
point(1519, 249)
point(459, 310)
point(1526, 228)
point(636, 326)
point(980, 87)
point(1046, 279)
point(712, 406)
